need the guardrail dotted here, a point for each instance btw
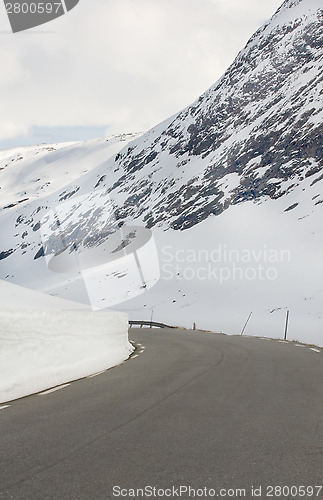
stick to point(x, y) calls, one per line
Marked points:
point(151, 324)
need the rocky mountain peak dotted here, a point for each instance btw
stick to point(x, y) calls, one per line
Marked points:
point(256, 129)
point(255, 135)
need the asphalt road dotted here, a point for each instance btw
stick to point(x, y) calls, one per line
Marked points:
point(193, 409)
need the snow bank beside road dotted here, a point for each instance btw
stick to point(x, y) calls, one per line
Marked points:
point(40, 349)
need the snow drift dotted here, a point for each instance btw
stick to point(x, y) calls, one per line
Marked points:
point(45, 348)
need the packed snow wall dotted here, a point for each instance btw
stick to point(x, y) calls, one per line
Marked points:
point(40, 349)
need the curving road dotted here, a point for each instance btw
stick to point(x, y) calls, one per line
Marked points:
point(229, 414)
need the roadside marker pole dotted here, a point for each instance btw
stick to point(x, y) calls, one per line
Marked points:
point(286, 326)
point(245, 326)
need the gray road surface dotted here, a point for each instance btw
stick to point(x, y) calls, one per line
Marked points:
point(193, 409)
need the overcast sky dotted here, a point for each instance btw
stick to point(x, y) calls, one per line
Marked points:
point(113, 66)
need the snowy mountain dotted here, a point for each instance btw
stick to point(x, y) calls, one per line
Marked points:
point(248, 150)
point(33, 172)
point(256, 133)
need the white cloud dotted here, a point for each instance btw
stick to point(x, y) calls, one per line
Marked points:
point(125, 64)
point(10, 129)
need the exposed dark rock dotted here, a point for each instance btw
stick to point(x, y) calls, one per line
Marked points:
point(40, 253)
point(7, 253)
point(291, 207)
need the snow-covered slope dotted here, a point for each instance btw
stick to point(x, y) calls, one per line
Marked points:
point(32, 172)
point(252, 259)
point(253, 139)
point(15, 296)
